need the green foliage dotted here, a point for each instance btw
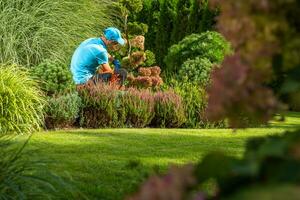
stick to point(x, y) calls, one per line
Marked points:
point(135, 28)
point(62, 110)
point(133, 6)
point(169, 110)
point(22, 177)
point(170, 21)
point(181, 20)
point(150, 58)
point(152, 22)
point(209, 45)
point(194, 99)
point(196, 71)
point(54, 77)
point(165, 27)
point(21, 101)
point(33, 31)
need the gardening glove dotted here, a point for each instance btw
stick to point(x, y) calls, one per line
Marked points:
point(117, 65)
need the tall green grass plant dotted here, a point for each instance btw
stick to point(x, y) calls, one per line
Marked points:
point(34, 30)
point(21, 101)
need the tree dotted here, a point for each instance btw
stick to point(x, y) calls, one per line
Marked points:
point(181, 20)
point(165, 27)
point(152, 22)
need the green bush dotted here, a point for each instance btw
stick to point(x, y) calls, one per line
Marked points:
point(135, 28)
point(54, 77)
point(139, 106)
point(21, 102)
point(150, 58)
point(32, 30)
point(62, 110)
point(169, 110)
point(209, 45)
point(196, 71)
point(194, 99)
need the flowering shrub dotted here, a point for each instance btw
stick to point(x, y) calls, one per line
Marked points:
point(138, 42)
point(139, 106)
point(169, 110)
point(101, 106)
point(155, 71)
point(134, 60)
point(148, 77)
point(143, 71)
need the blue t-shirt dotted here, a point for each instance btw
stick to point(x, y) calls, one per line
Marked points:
point(86, 59)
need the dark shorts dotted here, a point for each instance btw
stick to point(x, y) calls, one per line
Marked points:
point(105, 78)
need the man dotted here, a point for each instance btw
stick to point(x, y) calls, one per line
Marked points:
point(92, 57)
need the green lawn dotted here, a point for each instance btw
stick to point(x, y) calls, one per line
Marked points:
point(110, 163)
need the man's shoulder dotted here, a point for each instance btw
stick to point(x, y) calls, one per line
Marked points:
point(92, 41)
point(95, 48)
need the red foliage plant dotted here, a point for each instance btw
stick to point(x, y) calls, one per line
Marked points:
point(238, 88)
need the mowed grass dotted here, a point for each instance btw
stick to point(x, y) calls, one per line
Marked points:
point(111, 163)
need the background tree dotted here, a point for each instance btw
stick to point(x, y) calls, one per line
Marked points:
point(152, 22)
point(165, 27)
point(181, 20)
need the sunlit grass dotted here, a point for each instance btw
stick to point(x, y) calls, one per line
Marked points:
point(110, 163)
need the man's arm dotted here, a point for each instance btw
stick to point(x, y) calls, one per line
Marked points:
point(105, 68)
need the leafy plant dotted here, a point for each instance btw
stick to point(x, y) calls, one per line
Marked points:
point(62, 110)
point(21, 101)
point(209, 45)
point(150, 58)
point(194, 99)
point(169, 110)
point(197, 71)
point(54, 77)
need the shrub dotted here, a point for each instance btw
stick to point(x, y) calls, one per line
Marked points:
point(194, 99)
point(139, 106)
point(136, 28)
point(210, 45)
point(196, 71)
point(21, 102)
point(62, 110)
point(54, 77)
point(33, 31)
point(150, 58)
point(102, 106)
point(169, 110)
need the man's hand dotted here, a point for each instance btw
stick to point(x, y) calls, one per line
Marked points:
point(105, 68)
point(117, 65)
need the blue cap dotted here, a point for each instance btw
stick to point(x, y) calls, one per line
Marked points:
point(114, 34)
